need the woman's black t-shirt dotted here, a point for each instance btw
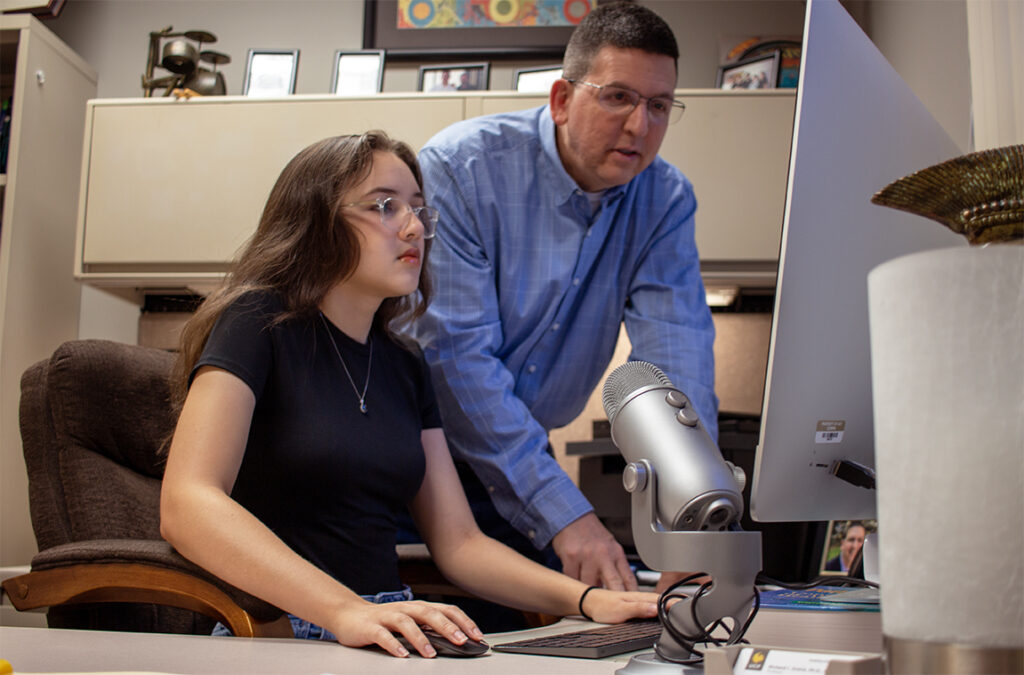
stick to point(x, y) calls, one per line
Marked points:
point(326, 478)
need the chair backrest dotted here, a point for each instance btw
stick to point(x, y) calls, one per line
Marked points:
point(93, 418)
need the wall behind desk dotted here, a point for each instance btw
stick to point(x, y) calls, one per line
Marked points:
point(112, 35)
point(925, 41)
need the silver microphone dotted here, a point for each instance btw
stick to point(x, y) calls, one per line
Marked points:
point(652, 420)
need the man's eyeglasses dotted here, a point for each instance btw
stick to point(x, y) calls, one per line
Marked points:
point(394, 214)
point(622, 101)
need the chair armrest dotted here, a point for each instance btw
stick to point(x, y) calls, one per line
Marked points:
point(134, 570)
point(137, 582)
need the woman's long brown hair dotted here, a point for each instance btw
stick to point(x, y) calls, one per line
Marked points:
point(304, 245)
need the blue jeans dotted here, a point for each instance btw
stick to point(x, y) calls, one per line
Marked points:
point(304, 630)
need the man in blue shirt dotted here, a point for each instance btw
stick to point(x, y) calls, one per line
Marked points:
point(558, 224)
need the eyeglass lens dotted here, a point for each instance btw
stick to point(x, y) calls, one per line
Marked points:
point(393, 212)
point(620, 100)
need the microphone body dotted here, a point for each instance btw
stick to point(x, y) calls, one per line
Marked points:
point(651, 420)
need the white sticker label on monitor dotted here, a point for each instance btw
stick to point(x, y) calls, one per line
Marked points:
point(830, 431)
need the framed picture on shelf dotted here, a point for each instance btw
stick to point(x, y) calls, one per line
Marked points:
point(270, 72)
point(789, 59)
point(536, 80)
point(413, 29)
point(760, 72)
point(454, 77)
point(357, 72)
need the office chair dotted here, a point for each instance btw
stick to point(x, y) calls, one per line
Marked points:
point(93, 418)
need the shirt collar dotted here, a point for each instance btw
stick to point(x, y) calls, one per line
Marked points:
point(564, 184)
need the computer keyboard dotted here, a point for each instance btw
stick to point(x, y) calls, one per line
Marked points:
point(593, 643)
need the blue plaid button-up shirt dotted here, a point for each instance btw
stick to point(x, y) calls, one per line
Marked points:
point(531, 288)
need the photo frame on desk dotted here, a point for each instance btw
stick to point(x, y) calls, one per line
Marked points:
point(833, 549)
point(357, 73)
point(270, 72)
point(411, 36)
point(536, 80)
point(759, 72)
point(454, 77)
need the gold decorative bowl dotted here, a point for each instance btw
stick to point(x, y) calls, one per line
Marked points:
point(979, 195)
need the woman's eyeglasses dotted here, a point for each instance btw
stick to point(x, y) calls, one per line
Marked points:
point(394, 213)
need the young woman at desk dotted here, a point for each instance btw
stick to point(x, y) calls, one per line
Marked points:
point(306, 423)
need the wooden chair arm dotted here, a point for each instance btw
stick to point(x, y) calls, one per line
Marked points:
point(133, 582)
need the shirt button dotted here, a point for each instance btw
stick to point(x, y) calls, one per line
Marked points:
point(556, 326)
point(531, 369)
point(491, 488)
point(532, 534)
point(576, 281)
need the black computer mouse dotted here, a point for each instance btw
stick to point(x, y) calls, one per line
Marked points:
point(444, 647)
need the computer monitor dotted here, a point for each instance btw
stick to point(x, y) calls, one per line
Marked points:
point(857, 128)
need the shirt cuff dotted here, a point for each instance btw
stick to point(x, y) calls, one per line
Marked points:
point(551, 510)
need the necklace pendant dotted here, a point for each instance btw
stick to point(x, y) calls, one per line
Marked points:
point(369, 363)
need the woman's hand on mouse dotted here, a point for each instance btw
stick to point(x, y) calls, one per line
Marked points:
point(604, 606)
point(376, 624)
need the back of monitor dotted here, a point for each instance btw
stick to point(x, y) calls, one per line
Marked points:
point(858, 126)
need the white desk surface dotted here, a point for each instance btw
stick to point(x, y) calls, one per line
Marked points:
point(42, 650)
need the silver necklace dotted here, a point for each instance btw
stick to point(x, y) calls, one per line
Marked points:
point(369, 362)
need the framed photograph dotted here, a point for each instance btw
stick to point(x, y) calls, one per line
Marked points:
point(844, 545)
point(357, 73)
point(789, 59)
point(536, 80)
point(760, 72)
point(412, 29)
point(455, 77)
point(270, 72)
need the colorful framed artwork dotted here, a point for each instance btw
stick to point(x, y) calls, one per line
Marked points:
point(499, 29)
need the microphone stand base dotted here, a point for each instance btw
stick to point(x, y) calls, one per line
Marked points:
point(648, 663)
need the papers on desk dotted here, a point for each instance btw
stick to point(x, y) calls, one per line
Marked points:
point(829, 598)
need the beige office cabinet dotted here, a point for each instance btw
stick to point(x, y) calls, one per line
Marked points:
point(39, 298)
point(172, 189)
point(734, 147)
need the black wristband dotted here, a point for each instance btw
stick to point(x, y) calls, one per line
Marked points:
point(582, 598)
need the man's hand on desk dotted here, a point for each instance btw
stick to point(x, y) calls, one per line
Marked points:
point(591, 554)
